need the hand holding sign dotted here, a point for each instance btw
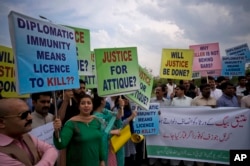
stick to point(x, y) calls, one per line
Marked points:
point(57, 127)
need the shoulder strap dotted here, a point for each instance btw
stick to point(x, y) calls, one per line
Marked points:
point(32, 148)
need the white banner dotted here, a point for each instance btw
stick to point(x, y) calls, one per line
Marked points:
point(200, 134)
point(44, 133)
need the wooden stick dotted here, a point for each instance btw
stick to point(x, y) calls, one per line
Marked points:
point(56, 115)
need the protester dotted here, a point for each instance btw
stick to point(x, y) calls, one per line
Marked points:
point(109, 119)
point(159, 96)
point(245, 100)
point(17, 147)
point(241, 87)
point(170, 88)
point(228, 98)
point(204, 99)
point(215, 92)
point(190, 89)
point(220, 80)
point(41, 104)
point(127, 119)
point(82, 136)
point(68, 107)
point(181, 99)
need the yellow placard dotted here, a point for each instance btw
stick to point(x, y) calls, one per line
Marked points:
point(7, 73)
point(177, 64)
point(118, 141)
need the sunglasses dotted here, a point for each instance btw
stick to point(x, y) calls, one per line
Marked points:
point(22, 115)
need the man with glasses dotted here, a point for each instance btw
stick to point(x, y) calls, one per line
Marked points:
point(17, 147)
point(41, 104)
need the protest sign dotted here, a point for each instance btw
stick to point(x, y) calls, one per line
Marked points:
point(233, 65)
point(45, 55)
point(176, 64)
point(7, 73)
point(200, 133)
point(117, 71)
point(206, 57)
point(196, 75)
point(90, 80)
point(142, 96)
point(44, 133)
point(82, 38)
point(147, 121)
point(237, 50)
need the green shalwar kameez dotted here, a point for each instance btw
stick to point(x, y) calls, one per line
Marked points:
point(83, 142)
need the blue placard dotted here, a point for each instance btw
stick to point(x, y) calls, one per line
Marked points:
point(45, 55)
point(147, 121)
point(237, 50)
point(233, 65)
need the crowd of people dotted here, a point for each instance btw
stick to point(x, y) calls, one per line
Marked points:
point(85, 123)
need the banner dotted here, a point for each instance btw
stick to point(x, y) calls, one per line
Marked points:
point(45, 55)
point(200, 134)
point(147, 121)
point(82, 38)
point(233, 65)
point(176, 64)
point(206, 57)
point(117, 71)
point(7, 73)
point(142, 96)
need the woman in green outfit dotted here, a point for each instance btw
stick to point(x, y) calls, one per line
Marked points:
point(82, 136)
point(109, 120)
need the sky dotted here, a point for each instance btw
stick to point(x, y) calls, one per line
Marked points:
point(149, 25)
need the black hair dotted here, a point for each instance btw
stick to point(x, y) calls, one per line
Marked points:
point(83, 96)
point(210, 78)
point(203, 86)
point(82, 82)
point(97, 100)
point(181, 87)
point(220, 79)
point(241, 77)
point(225, 85)
point(36, 96)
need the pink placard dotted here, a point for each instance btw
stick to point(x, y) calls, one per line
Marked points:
point(206, 57)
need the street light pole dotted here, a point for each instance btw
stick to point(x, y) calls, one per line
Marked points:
point(45, 18)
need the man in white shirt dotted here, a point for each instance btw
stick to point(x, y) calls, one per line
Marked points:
point(215, 93)
point(245, 100)
point(170, 86)
point(159, 96)
point(241, 87)
point(41, 103)
point(160, 90)
point(181, 99)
